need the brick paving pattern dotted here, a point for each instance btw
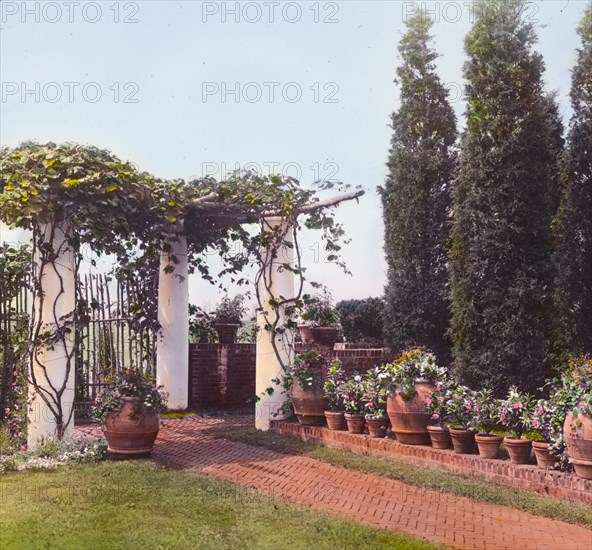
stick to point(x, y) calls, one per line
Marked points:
point(369, 499)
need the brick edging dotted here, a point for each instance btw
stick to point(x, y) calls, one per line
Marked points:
point(518, 476)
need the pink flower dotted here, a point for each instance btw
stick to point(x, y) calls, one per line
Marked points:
point(435, 416)
point(23, 447)
point(517, 405)
point(15, 373)
point(438, 385)
point(428, 401)
point(14, 383)
point(440, 399)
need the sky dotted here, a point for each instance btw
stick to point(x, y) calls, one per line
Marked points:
point(187, 89)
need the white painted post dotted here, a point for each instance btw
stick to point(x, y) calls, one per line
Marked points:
point(268, 367)
point(172, 358)
point(55, 298)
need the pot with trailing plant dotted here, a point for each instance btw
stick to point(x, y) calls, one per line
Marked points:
point(334, 379)
point(129, 408)
point(375, 388)
point(460, 408)
point(514, 415)
point(227, 318)
point(352, 394)
point(321, 326)
point(412, 377)
point(436, 407)
point(546, 420)
point(484, 421)
point(577, 428)
point(306, 384)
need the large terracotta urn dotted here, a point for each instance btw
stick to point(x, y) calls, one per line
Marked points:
point(309, 403)
point(227, 332)
point(324, 337)
point(577, 432)
point(409, 419)
point(128, 436)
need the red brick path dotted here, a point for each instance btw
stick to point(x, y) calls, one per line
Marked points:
point(367, 498)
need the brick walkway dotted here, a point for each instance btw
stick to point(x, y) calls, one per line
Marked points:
point(370, 499)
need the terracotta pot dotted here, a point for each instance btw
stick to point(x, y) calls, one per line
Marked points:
point(377, 426)
point(335, 420)
point(409, 419)
point(324, 337)
point(129, 437)
point(440, 437)
point(518, 449)
point(489, 445)
point(309, 403)
point(544, 457)
point(227, 332)
point(355, 423)
point(579, 443)
point(463, 440)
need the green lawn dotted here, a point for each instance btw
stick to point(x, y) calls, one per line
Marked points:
point(434, 479)
point(140, 505)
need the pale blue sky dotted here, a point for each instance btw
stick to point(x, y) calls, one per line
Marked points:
point(171, 52)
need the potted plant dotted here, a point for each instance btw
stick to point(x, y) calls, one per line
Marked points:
point(128, 408)
point(577, 429)
point(459, 410)
point(514, 415)
point(352, 394)
point(546, 420)
point(227, 318)
point(321, 325)
point(436, 407)
point(334, 414)
point(374, 397)
point(485, 419)
point(305, 379)
point(412, 378)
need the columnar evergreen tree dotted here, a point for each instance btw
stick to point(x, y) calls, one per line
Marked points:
point(503, 205)
point(416, 198)
point(574, 219)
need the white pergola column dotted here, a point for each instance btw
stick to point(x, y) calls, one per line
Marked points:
point(268, 367)
point(172, 358)
point(54, 299)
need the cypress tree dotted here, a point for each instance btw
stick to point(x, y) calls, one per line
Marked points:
point(502, 206)
point(574, 219)
point(416, 198)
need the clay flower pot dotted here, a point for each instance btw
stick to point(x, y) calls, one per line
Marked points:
point(578, 439)
point(355, 423)
point(518, 449)
point(377, 426)
point(129, 437)
point(325, 337)
point(309, 403)
point(227, 332)
point(410, 419)
point(335, 420)
point(489, 445)
point(440, 437)
point(463, 440)
point(544, 457)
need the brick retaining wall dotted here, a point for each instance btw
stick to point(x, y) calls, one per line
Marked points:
point(520, 476)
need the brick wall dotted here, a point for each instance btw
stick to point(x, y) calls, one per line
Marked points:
point(223, 375)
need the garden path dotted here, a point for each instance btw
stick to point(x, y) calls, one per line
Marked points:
point(195, 443)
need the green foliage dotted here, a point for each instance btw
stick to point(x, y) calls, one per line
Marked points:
point(318, 310)
point(573, 223)
point(334, 379)
point(229, 310)
point(416, 197)
point(500, 247)
point(515, 411)
point(309, 369)
point(362, 321)
point(486, 412)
